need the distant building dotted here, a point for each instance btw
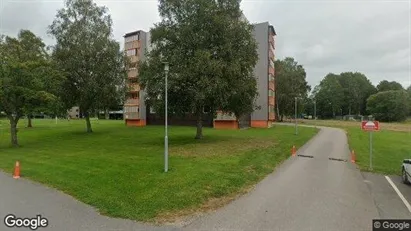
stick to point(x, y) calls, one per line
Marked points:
point(136, 113)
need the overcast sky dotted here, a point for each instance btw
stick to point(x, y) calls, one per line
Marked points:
point(372, 37)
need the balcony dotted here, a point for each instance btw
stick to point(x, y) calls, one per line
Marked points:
point(133, 59)
point(271, 116)
point(132, 102)
point(271, 85)
point(270, 54)
point(131, 115)
point(132, 45)
point(271, 71)
point(225, 116)
point(271, 100)
point(132, 73)
point(134, 88)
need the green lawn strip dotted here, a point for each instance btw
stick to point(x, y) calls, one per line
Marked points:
point(389, 149)
point(119, 170)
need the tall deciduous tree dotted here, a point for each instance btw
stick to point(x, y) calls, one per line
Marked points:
point(389, 106)
point(211, 53)
point(290, 80)
point(329, 96)
point(25, 77)
point(90, 58)
point(357, 88)
point(389, 86)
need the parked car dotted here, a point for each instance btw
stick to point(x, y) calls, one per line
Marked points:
point(406, 171)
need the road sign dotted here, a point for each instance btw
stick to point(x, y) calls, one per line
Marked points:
point(370, 125)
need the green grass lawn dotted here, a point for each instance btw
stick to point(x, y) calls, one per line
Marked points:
point(119, 169)
point(389, 149)
point(390, 145)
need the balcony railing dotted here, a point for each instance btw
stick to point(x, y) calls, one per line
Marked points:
point(271, 100)
point(270, 54)
point(132, 45)
point(271, 85)
point(133, 59)
point(271, 71)
point(271, 116)
point(132, 73)
point(134, 88)
point(131, 115)
point(132, 102)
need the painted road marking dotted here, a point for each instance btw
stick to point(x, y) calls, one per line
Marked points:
point(399, 193)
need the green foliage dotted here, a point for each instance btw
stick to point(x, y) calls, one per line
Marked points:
point(389, 86)
point(211, 54)
point(388, 106)
point(345, 93)
point(89, 57)
point(290, 80)
point(329, 96)
point(26, 77)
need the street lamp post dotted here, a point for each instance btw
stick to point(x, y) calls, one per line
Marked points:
point(295, 106)
point(166, 120)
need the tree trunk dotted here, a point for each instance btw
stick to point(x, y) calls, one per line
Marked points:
point(199, 134)
point(107, 114)
point(29, 124)
point(13, 132)
point(87, 115)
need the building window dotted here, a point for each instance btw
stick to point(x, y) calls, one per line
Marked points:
point(206, 109)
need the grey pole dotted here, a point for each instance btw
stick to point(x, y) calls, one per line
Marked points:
point(166, 122)
point(296, 126)
point(315, 110)
point(370, 150)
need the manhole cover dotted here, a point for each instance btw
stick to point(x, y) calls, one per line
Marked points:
point(306, 156)
point(336, 159)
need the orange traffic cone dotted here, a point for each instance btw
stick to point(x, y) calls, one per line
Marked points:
point(16, 174)
point(352, 156)
point(293, 151)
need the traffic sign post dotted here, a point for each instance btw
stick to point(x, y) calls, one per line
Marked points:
point(370, 126)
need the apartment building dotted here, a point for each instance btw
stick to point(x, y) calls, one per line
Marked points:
point(137, 114)
point(264, 34)
point(135, 45)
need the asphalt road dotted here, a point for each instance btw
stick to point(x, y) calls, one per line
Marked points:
point(24, 198)
point(302, 194)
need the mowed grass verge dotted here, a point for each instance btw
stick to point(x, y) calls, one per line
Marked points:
point(119, 170)
point(390, 145)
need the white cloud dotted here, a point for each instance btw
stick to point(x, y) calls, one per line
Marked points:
point(325, 36)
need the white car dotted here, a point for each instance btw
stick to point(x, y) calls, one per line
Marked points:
point(406, 171)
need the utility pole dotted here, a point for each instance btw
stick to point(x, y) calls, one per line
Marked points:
point(166, 120)
point(315, 110)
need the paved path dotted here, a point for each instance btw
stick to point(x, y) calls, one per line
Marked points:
point(27, 199)
point(302, 194)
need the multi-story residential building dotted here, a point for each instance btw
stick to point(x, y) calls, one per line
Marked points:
point(135, 45)
point(264, 34)
point(135, 114)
